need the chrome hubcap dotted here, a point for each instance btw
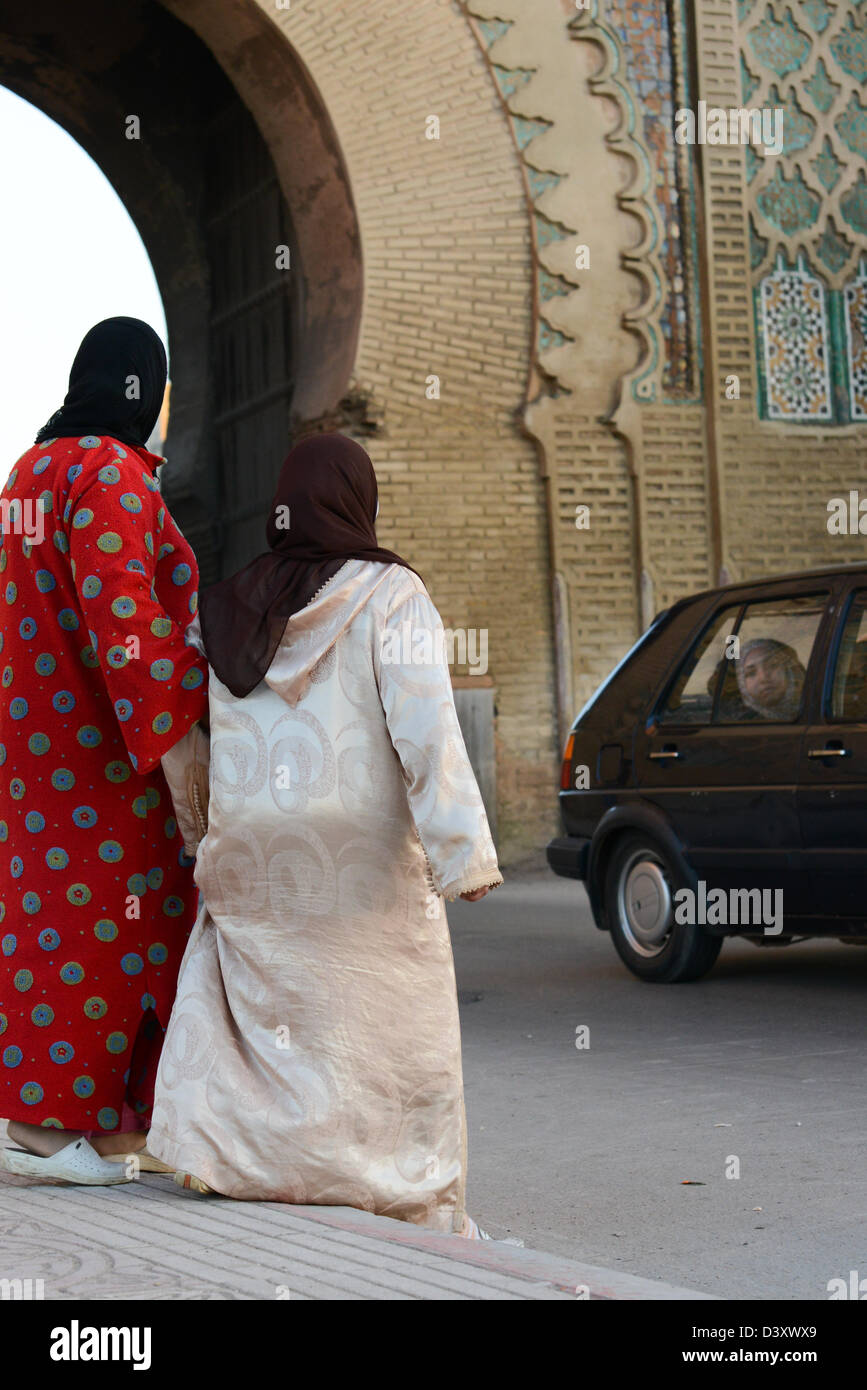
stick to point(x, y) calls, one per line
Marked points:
point(644, 904)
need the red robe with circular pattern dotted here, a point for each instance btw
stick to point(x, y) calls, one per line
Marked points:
point(96, 682)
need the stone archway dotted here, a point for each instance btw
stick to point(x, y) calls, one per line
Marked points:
point(235, 156)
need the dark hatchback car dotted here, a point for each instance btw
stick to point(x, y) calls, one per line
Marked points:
point(716, 783)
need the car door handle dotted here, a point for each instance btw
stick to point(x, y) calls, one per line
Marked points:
point(827, 753)
point(665, 753)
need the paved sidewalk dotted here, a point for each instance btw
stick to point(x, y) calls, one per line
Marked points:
point(151, 1240)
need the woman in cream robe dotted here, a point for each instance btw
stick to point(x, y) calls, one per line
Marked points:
point(314, 1054)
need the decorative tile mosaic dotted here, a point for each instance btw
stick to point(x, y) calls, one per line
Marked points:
point(818, 13)
point(540, 181)
point(856, 342)
point(510, 81)
point(820, 87)
point(827, 166)
point(493, 29)
point(551, 286)
point(810, 58)
point(788, 203)
point(794, 333)
point(645, 30)
point(850, 50)
point(779, 45)
point(832, 248)
point(548, 231)
point(853, 205)
point(798, 126)
point(851, 126)
point(525, 130)
point(549, 337)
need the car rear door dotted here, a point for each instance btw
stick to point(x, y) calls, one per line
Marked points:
point(832, 792)
point(724, 773)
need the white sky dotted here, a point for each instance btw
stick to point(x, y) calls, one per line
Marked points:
point(69, 256)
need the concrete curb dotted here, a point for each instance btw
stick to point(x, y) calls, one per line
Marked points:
point(149, 1239)
point(568, 1276)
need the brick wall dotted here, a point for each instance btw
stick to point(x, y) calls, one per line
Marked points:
point(448, 266)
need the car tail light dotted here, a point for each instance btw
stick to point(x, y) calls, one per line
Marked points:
point(566, 769)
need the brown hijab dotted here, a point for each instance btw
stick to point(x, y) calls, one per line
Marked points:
point(328, 485)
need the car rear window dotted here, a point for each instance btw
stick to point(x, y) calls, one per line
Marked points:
point(691, 697)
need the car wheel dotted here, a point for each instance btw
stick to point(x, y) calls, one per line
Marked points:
point(640, 884)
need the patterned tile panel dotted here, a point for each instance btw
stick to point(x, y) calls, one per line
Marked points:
point(794, 333)
point(808, 205)
point(856, 341)
point(645, 29)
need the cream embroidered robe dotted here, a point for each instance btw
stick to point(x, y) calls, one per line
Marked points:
point(313, 1054)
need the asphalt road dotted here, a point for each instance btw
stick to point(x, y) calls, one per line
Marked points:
point(585, 1152)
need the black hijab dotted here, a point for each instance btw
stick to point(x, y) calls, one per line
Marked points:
point(97, 401)
point(327, 493)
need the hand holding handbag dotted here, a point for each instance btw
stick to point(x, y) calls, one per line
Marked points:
point(186, 768)
point(198, 779)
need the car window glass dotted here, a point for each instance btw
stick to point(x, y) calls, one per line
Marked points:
point(766, 671)
point(691, 698)
point(849, 691)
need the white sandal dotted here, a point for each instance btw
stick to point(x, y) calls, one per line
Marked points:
point(473, 1231)
point(77, 1163)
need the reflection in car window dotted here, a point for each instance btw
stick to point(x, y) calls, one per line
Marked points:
point(691, 698)
point(767, 671)
point(849, 691)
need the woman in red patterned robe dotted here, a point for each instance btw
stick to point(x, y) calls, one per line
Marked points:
point(97, 587)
